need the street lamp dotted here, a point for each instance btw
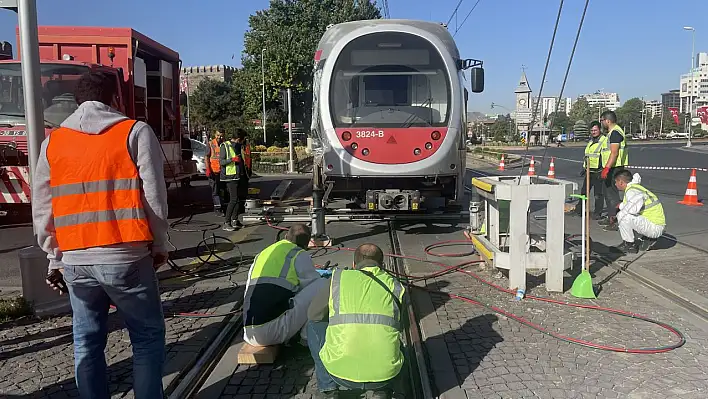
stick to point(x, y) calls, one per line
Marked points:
point(690, 96)
point(263, 122)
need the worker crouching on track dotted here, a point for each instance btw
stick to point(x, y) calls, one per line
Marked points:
point(281, 284)
point(354, 328)
point(640, 211)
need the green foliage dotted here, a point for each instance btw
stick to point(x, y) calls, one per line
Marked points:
point(502, 128)
point(560, 120)
point(630, 111)
point(581, 110)
point(580, 129)
point(216, 105)
point(289, 31)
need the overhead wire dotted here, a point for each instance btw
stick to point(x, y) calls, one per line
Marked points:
point(454, 12)
point(534, 114)
point(565, 79)
point(457, 28)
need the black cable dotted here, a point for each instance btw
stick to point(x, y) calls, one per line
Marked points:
point(454, 12)
point(565, 79)
point(540, 91)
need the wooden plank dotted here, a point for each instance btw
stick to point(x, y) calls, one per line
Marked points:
point(279, 192)
point(257, 354)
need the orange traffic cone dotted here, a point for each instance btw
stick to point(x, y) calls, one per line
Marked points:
point(532, 167)
point(501, 163)
point(691, 196)
point(552, 169)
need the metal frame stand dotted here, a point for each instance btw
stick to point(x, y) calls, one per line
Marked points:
point(516, 249)
point(319, 237)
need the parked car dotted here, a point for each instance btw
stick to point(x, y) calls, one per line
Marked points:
point(199, 150)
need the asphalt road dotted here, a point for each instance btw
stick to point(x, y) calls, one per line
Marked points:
point(16, 232)
point(688, 224)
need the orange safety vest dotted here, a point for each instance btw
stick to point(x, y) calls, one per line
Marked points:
point(214, 157)
point(96, 189)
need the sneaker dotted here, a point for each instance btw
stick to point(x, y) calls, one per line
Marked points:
point(380, 394)
point(228, 227)
point(628, 247)
point(605, 221)
point(237, 224)
point(219, 212)
point(328, 395)
point(597, 216)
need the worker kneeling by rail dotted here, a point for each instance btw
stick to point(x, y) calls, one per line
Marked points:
point(640, 211)
point(355, 326)
point(281, 284)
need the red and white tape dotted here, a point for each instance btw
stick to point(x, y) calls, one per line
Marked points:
point(630, 167)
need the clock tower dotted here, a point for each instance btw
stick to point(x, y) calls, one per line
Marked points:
point(523, 104)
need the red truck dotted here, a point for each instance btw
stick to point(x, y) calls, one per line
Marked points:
point(147, 71)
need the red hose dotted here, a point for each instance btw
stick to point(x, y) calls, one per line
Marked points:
point(460, 268)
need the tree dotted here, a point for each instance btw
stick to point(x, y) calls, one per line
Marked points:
point(502, 128)
point(216, 105)
point(580, 130)
point(582, 111)
point(560, 121)
point(289, 31)
point(630, 113)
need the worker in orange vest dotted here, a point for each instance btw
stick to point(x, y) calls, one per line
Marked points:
point(213, 169)
point(99, 203)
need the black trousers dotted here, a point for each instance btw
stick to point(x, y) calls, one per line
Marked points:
point(232, 210)
point(612, 196)
point(242, 193)
point(217, 190)
point(597, 185)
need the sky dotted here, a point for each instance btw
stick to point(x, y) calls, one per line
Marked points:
point(633, 47)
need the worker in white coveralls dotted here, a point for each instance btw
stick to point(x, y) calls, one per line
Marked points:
point(281, 284)
point(640, 212)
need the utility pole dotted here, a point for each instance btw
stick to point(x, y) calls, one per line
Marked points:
point(263, 121)
point(291, 162)
point(33, 260)
point(691, 83)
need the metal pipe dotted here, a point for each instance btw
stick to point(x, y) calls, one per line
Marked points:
point(263, 122)
point(291, 162)
point(31, 81)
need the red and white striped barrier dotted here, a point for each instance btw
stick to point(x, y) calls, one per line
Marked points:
point(14, 185)
point(630, 167)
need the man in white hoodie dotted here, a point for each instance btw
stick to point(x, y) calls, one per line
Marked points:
point(639, 211)
point(100, 212)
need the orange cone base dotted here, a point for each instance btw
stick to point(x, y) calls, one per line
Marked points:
point(690, 203)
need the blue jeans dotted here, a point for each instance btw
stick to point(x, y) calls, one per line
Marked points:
point(133, 289)
point(316, 331)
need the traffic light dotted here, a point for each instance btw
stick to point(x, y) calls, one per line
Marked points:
point(284, 100)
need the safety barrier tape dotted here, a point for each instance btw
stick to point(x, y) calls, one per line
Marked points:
point(630, 167)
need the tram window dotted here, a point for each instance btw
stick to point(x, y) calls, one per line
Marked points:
point(386, 90)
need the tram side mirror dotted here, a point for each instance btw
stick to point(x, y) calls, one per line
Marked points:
point(477, 80)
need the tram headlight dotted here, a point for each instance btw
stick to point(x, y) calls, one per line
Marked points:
point(435, 135)
point(346, 136)
point(428, 146)
point(416, 151)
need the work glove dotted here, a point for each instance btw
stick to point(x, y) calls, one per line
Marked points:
point(235, 159)
point(604, 173)
point(208, 173)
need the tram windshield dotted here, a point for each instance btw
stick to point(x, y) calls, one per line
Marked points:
point(390, 79)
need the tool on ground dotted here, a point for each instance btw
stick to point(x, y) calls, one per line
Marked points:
point(691, 196)
point(532, 167)
point(501, 163)
point(582, 286)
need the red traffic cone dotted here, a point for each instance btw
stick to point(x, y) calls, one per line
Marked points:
point(552, 169)
point(691, 196)
point(532, 167)
point(501, 163)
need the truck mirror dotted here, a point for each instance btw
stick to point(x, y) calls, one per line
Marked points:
point(477, 80)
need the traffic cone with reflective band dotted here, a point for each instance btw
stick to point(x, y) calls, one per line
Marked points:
point(532, 167)
point(501, 163)
point(691, 196)
point(552, 169)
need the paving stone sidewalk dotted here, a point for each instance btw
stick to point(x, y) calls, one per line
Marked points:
point(494, 356)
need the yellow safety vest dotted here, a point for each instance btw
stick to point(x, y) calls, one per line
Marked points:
point(652, 210)
point(622, 156)
point(362, 343)
point(276, 265)
point(593, 152)
point(231, 171)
